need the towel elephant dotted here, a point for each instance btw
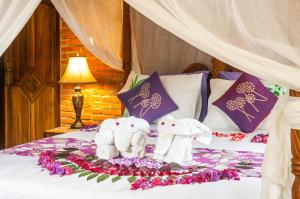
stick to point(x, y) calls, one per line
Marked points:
point(125, 135)
point(175, 136)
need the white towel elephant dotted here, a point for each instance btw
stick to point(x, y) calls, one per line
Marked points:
point(126, 135)
point(175, 137)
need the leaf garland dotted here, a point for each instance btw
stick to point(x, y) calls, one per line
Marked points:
point(94, 175)
point(131, 179)
point(63, 164)
point(84, 174)
point(115, 179)
point(102, 178)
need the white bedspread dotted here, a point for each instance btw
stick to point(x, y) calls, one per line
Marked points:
point(21, 178)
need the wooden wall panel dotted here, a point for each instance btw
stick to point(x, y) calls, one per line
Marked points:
point(20, 106)
point(44, 43)
point(44, 112)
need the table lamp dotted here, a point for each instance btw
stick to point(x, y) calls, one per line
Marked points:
point(77, 72)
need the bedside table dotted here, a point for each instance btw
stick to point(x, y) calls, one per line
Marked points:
point(57, 131)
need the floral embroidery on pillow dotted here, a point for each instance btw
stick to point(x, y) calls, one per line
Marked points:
point(250, 97)
point(154, 103)
point(238, 104)
point(143, 93)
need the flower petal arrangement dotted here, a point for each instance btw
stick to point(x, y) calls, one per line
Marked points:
point(233, 136)
point(141, 173)
point(260, 138)
point(70, 156)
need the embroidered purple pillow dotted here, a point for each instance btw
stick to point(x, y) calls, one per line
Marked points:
point(247, 102)
point(149, 100)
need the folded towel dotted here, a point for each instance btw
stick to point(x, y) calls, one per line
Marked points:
point(104, 137)
point(127, 134)
point(137, 145)
point(175, 137)
point(163, 144)
point(126, 128)
point(180, 150)
point(107, 152)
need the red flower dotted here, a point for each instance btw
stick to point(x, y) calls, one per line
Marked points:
point(68, 170)
point(97, 170)
point(156, 182)
point(86, 166)
point(112, 170)
point(135, 186)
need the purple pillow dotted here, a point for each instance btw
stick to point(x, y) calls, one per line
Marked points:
point(149, 100)
point(229, 75)
point(204, 93)
point(247, 102)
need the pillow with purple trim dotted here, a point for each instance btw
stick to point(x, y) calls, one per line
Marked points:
point(247, 102)
point(149, 100)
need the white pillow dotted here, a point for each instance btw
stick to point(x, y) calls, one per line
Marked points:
point(216, 119)
point(184, 89)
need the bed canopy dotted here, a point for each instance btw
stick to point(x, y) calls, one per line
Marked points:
point(259, 37)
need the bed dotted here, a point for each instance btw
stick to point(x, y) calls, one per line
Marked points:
point(21, 177)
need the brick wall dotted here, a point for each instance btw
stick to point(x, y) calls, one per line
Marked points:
point(100, 100)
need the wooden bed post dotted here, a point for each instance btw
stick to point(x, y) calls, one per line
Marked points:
point(295, 144)
point(126, 41)
point(126, 45)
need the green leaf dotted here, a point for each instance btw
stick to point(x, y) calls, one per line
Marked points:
point(90, 158)
point(85, 174)
point(102, 178)
point(65, 163)
point(115, 179)
point(133, 81)
point(139, 82)
point(79, 171)
point(94, 175)
point(74, 167)
point(131, 179)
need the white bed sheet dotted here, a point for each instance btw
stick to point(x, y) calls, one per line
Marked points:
point(21, 178)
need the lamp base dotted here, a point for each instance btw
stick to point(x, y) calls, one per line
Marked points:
point(77, 125)
point(77, 99)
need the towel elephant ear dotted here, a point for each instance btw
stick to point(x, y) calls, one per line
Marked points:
point(104, 137)
point(108, 124)
point(206, 134)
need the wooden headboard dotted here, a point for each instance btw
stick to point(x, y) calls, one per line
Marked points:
point(218, 66)
point(194, 68)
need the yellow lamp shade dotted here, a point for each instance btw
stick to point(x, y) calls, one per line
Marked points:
point(77, 71)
